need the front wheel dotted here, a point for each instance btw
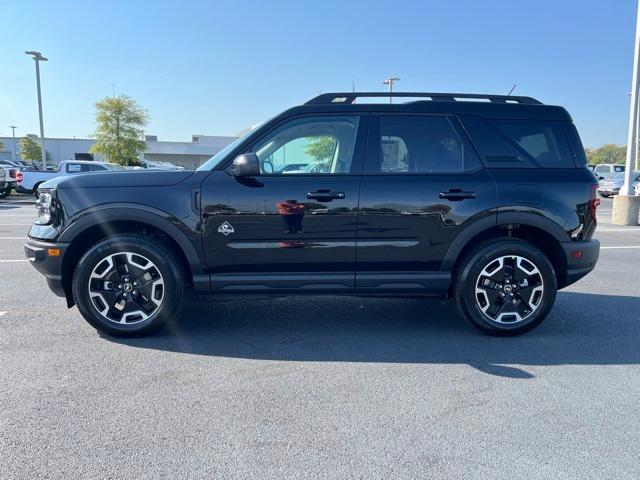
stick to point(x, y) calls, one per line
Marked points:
point(505, 287)
point(128, 285)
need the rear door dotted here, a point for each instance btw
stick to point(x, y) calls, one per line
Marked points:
point(423, 183)
point(293, 227)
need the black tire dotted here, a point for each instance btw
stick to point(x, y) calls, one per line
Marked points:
point(5, 192)
point(530, 295)
point(109, 255)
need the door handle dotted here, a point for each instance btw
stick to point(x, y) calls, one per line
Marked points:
point(325, 195)
point(456, 194)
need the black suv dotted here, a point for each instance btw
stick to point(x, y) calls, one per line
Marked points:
point(483, 198)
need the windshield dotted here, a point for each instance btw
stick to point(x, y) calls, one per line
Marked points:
point(218, 157)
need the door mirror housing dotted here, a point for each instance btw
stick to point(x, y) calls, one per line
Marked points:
point(246, 165)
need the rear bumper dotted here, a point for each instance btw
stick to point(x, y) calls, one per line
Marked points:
point(41, 255)
point(579, 264)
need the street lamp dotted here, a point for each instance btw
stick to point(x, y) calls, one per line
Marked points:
point(37, 57)
point(13, 128)
point(390, 81)
point(626, 205)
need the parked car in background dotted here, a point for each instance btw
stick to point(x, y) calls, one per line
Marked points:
point(29, 181)
point(607, 170)
point(8, 179)
point(20, 164)
point(612, 186)
point(156, 165)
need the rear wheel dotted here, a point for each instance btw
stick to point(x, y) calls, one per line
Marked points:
point(505, 287)
point(4, 192)
point(128, 285)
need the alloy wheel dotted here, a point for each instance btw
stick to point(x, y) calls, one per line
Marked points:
point(509, 289)
point(126, 288)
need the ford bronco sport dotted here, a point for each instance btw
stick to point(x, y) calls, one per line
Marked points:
point(482, 198)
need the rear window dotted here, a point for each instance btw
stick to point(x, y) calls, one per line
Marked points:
point(543, 142)
point(417, 144)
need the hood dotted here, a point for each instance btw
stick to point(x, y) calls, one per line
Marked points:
point(128, 178)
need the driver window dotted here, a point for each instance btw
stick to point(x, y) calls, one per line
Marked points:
point(309, 146)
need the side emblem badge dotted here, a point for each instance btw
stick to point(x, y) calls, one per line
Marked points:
point(226, 228)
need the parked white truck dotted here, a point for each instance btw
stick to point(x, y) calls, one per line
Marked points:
point(8, 180)
point(29, 181)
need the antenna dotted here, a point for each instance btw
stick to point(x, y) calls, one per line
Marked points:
point(512, 89)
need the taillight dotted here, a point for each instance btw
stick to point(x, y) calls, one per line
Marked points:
point(594, 202)
point(19, 177)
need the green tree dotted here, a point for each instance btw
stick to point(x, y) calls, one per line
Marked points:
point(609, 153)
point(119, 134)
point(321, 148)
point(30, 150)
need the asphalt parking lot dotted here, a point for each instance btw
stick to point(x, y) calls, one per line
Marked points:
point(322, 387)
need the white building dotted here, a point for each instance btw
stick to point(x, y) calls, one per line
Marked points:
point(188, 154)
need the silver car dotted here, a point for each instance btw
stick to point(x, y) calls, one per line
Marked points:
point(612, 186)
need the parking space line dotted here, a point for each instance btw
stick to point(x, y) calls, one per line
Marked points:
point(3, 313)
point(14, 260)
point(620, 247)
point(631, 229)
point(13, 238)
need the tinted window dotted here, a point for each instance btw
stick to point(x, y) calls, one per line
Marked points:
point(417, 144)
point(310, 145)
point(543, 142)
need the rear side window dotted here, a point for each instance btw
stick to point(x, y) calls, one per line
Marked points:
point(415, 144)
point(509, 143)
point(543, 142)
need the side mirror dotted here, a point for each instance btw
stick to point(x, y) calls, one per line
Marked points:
point(246, 165)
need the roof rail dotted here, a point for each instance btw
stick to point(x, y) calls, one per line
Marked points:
point(350, 97)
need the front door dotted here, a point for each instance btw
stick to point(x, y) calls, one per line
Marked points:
point(422, 185)
point(294, 226)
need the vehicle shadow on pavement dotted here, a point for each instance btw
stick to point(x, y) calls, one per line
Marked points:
point(583, 329)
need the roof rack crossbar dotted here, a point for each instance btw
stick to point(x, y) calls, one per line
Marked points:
point(350, 97)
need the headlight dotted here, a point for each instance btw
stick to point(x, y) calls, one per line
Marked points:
point(43, 208)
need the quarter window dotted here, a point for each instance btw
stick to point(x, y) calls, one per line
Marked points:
point(309, 146)
point(544, 142)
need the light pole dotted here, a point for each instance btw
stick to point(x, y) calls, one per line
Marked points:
point(13, 128)
point(390, 81)
point(626, 205)
point(37, 57)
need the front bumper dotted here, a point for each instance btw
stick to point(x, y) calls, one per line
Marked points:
point(581, 259)
point(43, 257)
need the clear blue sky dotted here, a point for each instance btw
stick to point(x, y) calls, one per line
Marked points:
point(217, 67)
